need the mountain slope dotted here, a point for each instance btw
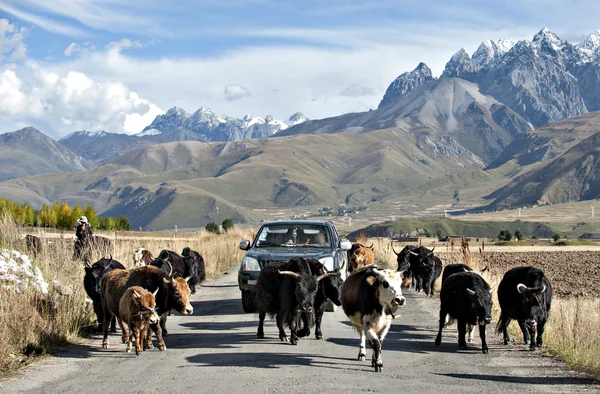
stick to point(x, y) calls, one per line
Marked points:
point(29, 152)
point(448, 109)
point(183, 183)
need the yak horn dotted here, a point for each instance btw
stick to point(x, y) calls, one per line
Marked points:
point(341, 266)
point(413, 253)
point(543, 288)
point(290, 273)
point(394, 250)
point(136, 295)
point(521, 288)
point(155, 292)
point(170, 266)
point(326, 275)
point(431, 253)
point(483, 270)
point(188, 278)
point(372, 244)
point(471, 292)
point(493, 288)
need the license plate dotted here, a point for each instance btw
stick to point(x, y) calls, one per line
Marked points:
point(251, 281)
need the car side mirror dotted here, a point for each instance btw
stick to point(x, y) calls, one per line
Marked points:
point(345, 244)
point(245, 244)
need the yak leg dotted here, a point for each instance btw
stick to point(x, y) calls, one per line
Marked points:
point(306, 320)
point(163, 323)
point(503, 327)
point(123, 330)
point(438, 339)
point(462, 330)
point(282, 334)
point(469, 333)
point(148, 339)
point(318, 319)
point(130, 339)
point(143, 334)
point(375, 343)
point(293, 323)
point(138, 342)
point(362, 353)
point(113, 324)
point(526, 337)
point(484, 346)
point(540, 331)
point(160, 342)
point(105, 323)
point(261, 322)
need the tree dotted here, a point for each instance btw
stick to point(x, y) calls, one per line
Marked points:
point(63, 215)
point(122, 223)
point(76, 213)
point(505, 235)
point(212, 227)
point(106, 223)
point(556, 237)
point(90, 214)
point(440, 234)
point(227, 225)
point(519, 236)
point(429, 234)
point(46, 217)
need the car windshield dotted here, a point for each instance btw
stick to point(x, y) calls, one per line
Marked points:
point(293, 235)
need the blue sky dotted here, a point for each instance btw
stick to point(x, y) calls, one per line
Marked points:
point(99, 64)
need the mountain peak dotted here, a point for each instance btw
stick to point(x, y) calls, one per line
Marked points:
point(297, 118)
point(490, 50)
point(407, 82)
point(178, 112)
point(459, 64)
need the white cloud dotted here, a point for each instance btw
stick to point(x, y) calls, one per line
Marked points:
point(235, 92)
point(44, 23)
point(72, 48)
point(59, 104)
point(11, 41)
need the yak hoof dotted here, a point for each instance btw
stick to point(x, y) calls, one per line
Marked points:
point(362, 357)
point(485, 350)
point(260, 335)
point(124, 340)
point(113, 329)
point(128, 350)
point(162, 348)
point(506, 341)
point(283, 338)
point(319, 336)
point(438, 340)
point(149, 346)
point(294, 341)
point(105, 346)
point(527, 342)
point(462, 347)
point(378, 367)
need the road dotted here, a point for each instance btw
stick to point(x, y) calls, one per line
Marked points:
point(216, 350)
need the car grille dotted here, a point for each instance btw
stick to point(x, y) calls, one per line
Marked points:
point(266, 262)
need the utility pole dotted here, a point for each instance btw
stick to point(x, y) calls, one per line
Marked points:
point(519, 211)
point(175, 228)
point(593, 211)
point(445, 213)
point(349, 221)
point(140, 229)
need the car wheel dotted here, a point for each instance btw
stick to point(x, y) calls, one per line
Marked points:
point(248, 301)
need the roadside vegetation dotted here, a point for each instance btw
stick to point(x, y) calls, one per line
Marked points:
point(42, 300)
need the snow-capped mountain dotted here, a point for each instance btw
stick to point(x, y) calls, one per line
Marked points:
point(176, 125)
point(544, 80)
point(407, 82)
point(208, 126)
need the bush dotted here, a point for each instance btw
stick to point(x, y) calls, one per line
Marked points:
point(429, 234)
point(227, 225)
point(556, 237)
point(505, 235)
point(519, 235)
point(212, 227)
point(440, 234)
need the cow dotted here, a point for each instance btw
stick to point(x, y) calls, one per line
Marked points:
point(426, 268)
point(137, 309)
point(92, 282)
point(197, 267)
point(354, 248)
point(451, 269)
point(33, 244)
point(467, 298)
point(525, 295)
point(403, 259)
point(288, 291)
point(142, 257)
point(361, 258)
point(370, 298)
point(172, 294)
point(179, 266)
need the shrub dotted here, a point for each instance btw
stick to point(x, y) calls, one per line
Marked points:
point(227, 225)
point(519, 235)
point(556, 237)
point(212, 227)
point(440, 234)
point(505, 235)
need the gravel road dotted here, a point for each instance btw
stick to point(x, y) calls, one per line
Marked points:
point(216, 350)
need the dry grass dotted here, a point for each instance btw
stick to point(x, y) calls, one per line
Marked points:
point(29, 328)
point(572, 330)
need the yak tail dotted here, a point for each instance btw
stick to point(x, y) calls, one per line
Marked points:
point(499, 324)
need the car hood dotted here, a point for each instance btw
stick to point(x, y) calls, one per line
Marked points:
point(283, 254)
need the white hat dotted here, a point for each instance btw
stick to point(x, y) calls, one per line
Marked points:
point(83, 219)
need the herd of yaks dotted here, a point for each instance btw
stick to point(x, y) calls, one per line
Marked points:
point(296, 293)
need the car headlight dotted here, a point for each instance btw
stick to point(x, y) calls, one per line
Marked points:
point(327, 262)
point(250, 264)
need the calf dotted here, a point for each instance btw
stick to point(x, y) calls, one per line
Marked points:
point(525, 295)
point(33, 244)
point(287, 291)
point(370, 298)
point(136, 308)
point(330, 288)
point(196, 265)
point(466, 297)
point(142, 257)
point(172, 294)
point(92, 282)
point(426, 268)
point(361, 258)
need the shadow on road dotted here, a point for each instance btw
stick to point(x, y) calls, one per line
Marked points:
point(544, 380)
point(217, 307)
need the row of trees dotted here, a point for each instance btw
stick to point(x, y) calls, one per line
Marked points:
point(60, 215)
point(213, 227)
